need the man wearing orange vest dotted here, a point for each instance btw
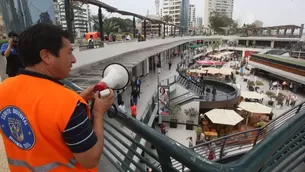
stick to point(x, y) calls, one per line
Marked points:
point(45, 126)
point(134, 110)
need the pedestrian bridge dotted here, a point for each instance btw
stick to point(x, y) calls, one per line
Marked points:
point(278, 146)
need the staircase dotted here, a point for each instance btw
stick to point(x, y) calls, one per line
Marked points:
point(275, 144)
point(192, 86)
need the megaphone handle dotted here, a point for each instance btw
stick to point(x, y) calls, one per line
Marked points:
point(112, 115)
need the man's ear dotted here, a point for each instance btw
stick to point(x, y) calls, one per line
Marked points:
point(45, 56)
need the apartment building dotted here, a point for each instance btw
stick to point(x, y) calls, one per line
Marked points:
point(82, 17)
point(199, 21)
point(192, 16)
point(222, 6)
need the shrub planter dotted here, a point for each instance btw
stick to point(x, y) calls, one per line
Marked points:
point(189, 125)
point(173, 123)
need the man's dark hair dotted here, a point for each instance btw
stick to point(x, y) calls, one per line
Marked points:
point(38, 37)
point(12, 33)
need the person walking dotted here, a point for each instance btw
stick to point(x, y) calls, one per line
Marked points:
point(169, 65)
point(134, 111)
point(10, 51)
point(46, 126)
point(134, 95)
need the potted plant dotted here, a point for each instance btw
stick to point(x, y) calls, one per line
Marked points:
point(271, 95)
point(174, 111)
point(191, 112)
point(198, 131)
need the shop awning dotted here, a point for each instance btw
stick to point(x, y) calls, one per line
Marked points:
point(254, 107)
point(251, 95)
point(223, 116)
point(198, 55)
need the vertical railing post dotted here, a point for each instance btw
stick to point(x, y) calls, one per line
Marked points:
point(222, 148)
point(257, 136)
point(165, 161)
point(299, 108)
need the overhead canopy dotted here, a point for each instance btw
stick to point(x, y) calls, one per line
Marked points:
point(223, 116)
point(127, 13)
point(100, 4)
point(254, 107)
point(251, 95)
point(198, 55)
point(213, 70)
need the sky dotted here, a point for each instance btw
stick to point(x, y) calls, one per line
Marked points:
point(270, 12)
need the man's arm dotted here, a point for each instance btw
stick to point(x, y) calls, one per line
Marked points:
point(84, 140)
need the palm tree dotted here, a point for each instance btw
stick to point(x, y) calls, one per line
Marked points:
point(167, 18)
point(110, 26)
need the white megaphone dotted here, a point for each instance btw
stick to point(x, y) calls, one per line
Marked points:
point(115, 76)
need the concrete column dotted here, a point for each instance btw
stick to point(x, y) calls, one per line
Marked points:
point(146, 67)
point(272, 44)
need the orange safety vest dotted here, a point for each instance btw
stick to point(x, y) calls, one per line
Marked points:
point(134, 110)
point(33, 114)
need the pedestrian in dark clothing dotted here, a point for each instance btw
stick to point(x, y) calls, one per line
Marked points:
point(10, 51)
point(169, 65)
point(135, 95)
point(138, 85)
point(214, 92)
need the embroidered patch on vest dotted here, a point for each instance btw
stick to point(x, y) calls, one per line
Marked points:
point(17, 128)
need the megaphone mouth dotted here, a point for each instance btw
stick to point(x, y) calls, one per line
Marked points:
point(103, 74)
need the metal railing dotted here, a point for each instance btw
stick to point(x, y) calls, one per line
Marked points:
point(211, 97)
point(240, 143)
point(282, 136)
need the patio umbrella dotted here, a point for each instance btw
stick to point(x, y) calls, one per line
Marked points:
point(223, 116)
point(254, 107)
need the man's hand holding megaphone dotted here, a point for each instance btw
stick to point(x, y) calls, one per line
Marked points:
point(101, 103)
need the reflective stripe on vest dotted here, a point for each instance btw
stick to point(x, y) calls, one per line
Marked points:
point(47, 167)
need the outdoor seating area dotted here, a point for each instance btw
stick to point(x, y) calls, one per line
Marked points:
point(221, 122)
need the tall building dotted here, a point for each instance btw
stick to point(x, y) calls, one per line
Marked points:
point(2, 27)
point(173, 9)
point(184, 15)
point(19, 14)
point(199, 21)
point(151, 27)
point(192, 18)
point(221, 6)
point(157, 3)
point(82, 17)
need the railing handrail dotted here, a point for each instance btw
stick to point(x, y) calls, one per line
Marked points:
point(194, 161)
point(275, 120)
point(290, 127)
point(223, 94)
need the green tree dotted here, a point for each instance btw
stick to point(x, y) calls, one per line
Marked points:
point(167, 18)
point(216, 44)
point(110, 26)
point(219, 21)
